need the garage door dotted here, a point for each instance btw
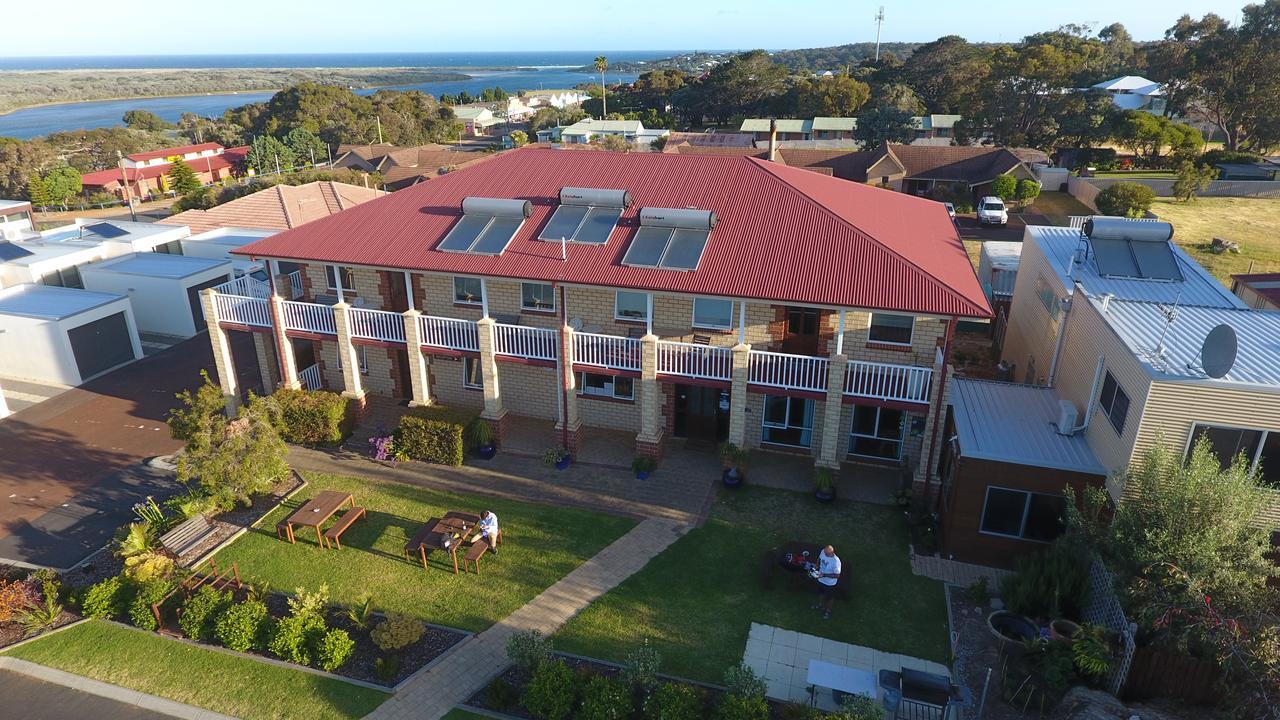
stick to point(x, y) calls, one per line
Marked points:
point(193, 298)
point(101, 344)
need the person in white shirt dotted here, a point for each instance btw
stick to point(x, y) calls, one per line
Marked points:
point(488, 526)
point(828, 577)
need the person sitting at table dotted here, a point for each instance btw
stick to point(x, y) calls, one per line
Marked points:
point(828, 576)
point(488, 527)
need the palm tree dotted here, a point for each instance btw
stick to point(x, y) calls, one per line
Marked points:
point(602, 64)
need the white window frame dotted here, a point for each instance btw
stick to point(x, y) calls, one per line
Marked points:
point(466, 374)
point(1026, 510)
point(765, 425)
point(711, 326)
point(362, 352)
point(457, 301)
point(1107, 409)
point(902, 433)
point(551, 309)
point(612, 386)
point(644, 316)
point(334, 272)
point(871, 325)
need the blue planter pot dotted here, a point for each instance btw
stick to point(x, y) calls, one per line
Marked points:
point(486, 452)
point(563, 463)
point(732, 479)
point(824, 497)
point(642, 475)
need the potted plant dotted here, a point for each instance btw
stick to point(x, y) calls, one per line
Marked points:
point(735, 460)
point(481, 437)
point(643, 465)
point(1012, 631)
point(557, 456)
point(1063, 629)
point(1093, 651)
point(824, 485)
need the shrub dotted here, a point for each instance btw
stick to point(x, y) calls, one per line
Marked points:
point(434, 441)
point(501, 695)
point(736, 707)
point(605, 699)
point(1125, 199)
point(311, 417)
point(387, 668)
point(672, 701)
point(479, 434)
point(306, 603)
point(145, 595)
point(1051, 583)
point(551, 692)
point(741, 681)
point(980, 592)
point(104, 600)
point(797, 711)
point(1215, 157)
point(1027, 191)
point(858, 707)
point(1005, 187)
point(295, 638)
point(42, 613)
point(397, 632)
point(641, 668)
point(527, 650)
point(201, 610)
point(147, 567)
point(334, 649)
point(15, 596)
point(361, 612)
point(138, 539)
point(241, 626)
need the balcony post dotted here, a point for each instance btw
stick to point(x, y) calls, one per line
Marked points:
point(937, 382)
point(347, 351)
point(494, 412)
point(569, 424)
point(224, 362)
point(419, 376)
point(738, 394)
point(829, 449)
point(649, 439)
point(284, 346)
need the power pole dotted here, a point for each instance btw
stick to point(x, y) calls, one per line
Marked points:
point(879, 22)
point(378, 118)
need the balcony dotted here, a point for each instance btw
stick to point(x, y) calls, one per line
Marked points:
point(241, 310)
point(525, 342)
point(704, 362)
point(883, 381)
point(788, 372)
point(244, 286)
point(448, 333)
point(606, 351)
point(309, 318)
point(379, 325)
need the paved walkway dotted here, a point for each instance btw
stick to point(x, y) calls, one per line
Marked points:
point(43, 693)
point(477, 660)
point(954, 572)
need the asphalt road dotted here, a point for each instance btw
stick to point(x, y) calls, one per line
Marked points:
point(32, 699)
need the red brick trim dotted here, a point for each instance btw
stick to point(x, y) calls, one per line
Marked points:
point(891, 347)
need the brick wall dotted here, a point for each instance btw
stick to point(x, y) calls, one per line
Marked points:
point(608, 413)
point(446, 384)
point(381, 377)
point(528, 390)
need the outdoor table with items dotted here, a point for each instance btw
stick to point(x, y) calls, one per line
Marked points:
point(317, 511)
point(447, 534)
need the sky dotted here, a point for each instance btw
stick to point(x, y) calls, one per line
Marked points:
point(92, 27)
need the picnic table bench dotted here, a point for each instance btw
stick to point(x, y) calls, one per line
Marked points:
point(187, 534)
point(334, 533)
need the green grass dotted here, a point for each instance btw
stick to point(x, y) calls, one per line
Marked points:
point(697, 600)
point(1252, 222)
point(196, 676)
point(1058, 206)
point(541, 544)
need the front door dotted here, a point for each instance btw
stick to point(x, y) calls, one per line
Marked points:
point(701, 413)
point(399, 294)
point(402, 368)
point(801, 337)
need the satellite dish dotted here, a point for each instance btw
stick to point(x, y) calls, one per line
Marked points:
point(1218, 353)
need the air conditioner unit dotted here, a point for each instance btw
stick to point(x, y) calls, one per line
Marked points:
point(1066, 417)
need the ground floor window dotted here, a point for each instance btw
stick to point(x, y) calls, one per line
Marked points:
point(1261, 448)
point(362, 354)
point(610, 386)
point(1022, 514)
point(471, 375)
point(788, 421)
point(877, 432)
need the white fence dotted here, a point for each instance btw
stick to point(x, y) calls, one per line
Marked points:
point(449, 333)
point(1218, 188)
point(697, 361)
point(295, 284)
point(246, 286)
point(783, 370)
point(606, 351)
point(310, 377)
point(1104, 609)
point(309, 317)
point(525, 342)
point(884, 381)
point(377, 325)
point(242, 310)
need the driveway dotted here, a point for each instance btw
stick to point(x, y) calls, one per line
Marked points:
point(70, 467)
point(40, 700)
point(971, 230)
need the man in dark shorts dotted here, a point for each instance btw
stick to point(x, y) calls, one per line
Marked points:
point(827, 578)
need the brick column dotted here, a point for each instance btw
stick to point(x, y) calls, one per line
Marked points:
point(268, 366)
point(284, 346)
point(352, 387)
point(494, 412)
point(829, 450)
point(223, 361)
point(649, 439)
point(568, 401)
point(927, 449)
point(419, 378)
point(738, 395)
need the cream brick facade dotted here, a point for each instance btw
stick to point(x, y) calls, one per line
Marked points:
point(446, 384)
point(529, 390)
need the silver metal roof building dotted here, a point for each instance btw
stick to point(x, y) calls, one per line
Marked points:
point(159, 265)
point(1014, 423)
point(51, 303)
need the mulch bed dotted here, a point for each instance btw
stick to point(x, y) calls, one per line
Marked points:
point(975, 651)
point(12, 632)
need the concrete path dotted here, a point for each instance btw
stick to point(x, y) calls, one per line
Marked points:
point(44, 693)
point(473, 663)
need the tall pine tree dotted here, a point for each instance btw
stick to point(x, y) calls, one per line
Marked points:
point(37, 192)
point(182, 179)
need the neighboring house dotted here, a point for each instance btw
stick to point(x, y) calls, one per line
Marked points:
point(917, 169)
point(668, 290)
point(54, 257)
point(553, 98)
point(278, 207)
point(145, 175)
point(1117, 327)
point(1264, 170)
point(1134, 92)
point(676, 140)
point(585, 130)
point(998, 272)
point(402, 167)
point(476, 119)
point(1260, 291)
point(15, 220)
point(930, 129)
point(63, 335)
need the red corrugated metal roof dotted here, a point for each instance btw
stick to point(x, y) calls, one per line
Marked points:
point(226, 159)
point(784, 234)
point(170, 152)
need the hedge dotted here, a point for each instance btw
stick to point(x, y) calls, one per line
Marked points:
point(311, 417)
point(434, 434)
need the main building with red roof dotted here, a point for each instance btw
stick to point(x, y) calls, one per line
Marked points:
point(142, 175)
point(704, 297)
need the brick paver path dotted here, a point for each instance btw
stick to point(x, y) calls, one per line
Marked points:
point(954, 572)
point(477, 660)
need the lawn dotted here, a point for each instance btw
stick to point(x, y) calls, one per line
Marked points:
point(696, 601)
point(1252, 222)
point(197, 676)
point(540, 545)
point(1058, 206)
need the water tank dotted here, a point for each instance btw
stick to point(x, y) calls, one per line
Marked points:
point(1101, 227)
point(689, 219)
point(1066, 417)
point(595, 197)
point(497, 207)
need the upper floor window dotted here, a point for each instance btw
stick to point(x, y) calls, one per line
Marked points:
point(712, 313)
point(1260, 448)
point(468, 291)
point(537, 296)
point(1025, 515)
point(630, 305)
point(1047, 298)
point(336, 274)
point(890, 328)
point(1114, 402)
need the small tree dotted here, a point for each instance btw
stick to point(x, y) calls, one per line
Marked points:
point(63, 183)
point(1125, 199)
point(616, 143)
point(197, 409)
point(1192, 179)
point(233, 460)
point(37, 192)
point(601, 65)
point(182, 179)
point(145, 120)
point(266, 154)
point(1027, 192)
point(884, 124)
point(305, 146)
point(519, 138)
point(1005, 187)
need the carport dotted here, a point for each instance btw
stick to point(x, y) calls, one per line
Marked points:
point(64, 335)
point(164, 289)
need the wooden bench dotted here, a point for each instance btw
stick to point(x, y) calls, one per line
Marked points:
point(411, 547)
point(334, 533)
point(474, 552)
point(282, 530)
point(187, 535)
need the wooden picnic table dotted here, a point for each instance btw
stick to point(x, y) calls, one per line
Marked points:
point(447, 534)
point(317, 511)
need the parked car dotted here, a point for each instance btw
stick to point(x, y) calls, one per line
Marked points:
point(991, 211)
point(951, 209)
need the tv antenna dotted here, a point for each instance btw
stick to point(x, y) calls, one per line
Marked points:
point(879, 22)
point(1170, 315)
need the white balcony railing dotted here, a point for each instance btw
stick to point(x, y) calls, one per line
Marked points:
point(883, 381)
point(295, 284)
point(309, 317)
point(377, 325)
point(791, 372)
point(245, 286)
point(449, 333)
point(310, 378)
point(525, 342)
point(707, 362)
point(241, 310)
point(606, 351)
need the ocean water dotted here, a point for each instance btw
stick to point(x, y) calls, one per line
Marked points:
point(541, 70)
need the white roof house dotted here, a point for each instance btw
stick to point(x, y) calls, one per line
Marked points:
point(1134, 92)
point(64, 335)
point(633, 130)
point(53, 257)
point(164, 289)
